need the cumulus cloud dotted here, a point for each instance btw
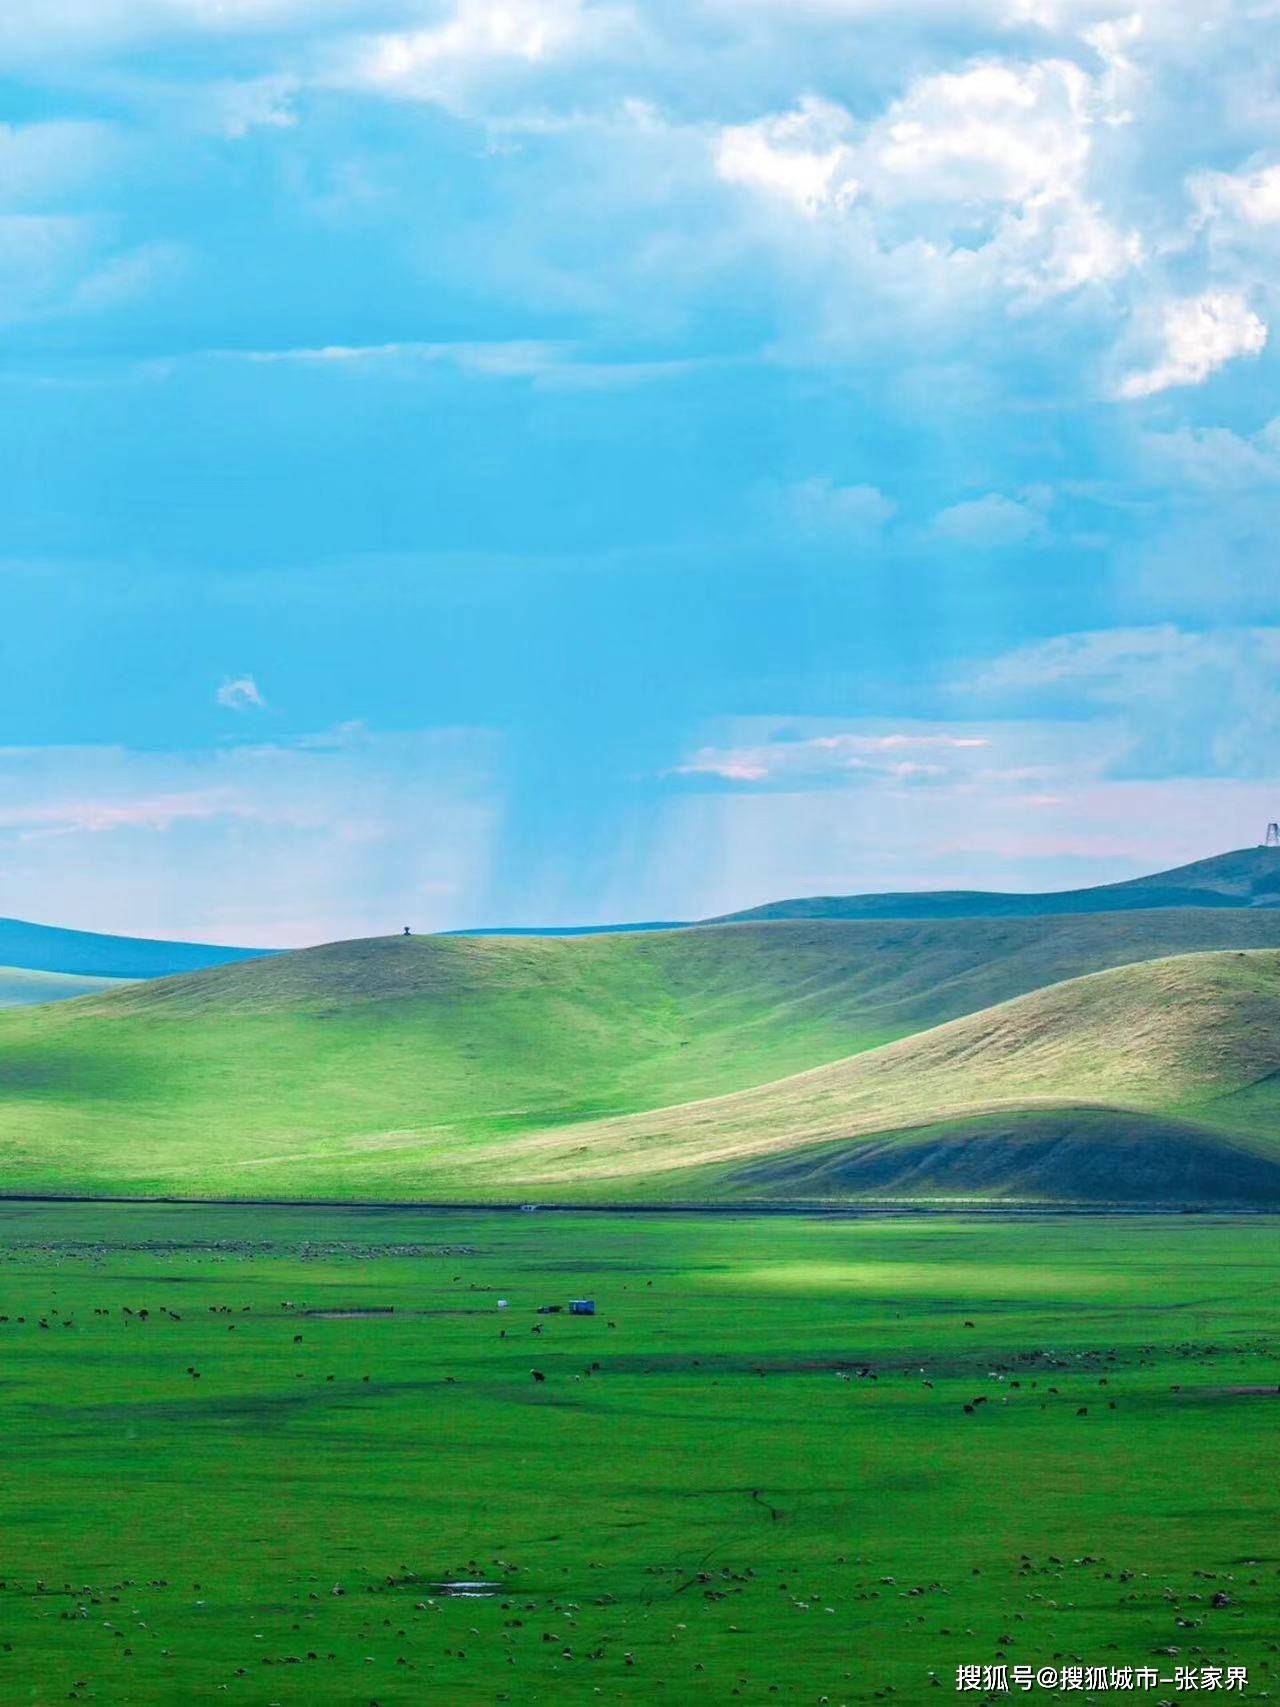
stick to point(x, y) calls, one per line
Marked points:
point(1217, 458)
point(1198, 335)
point(989, 164)
point(989, 153)
point(804, 157)
point(238, 106)
point(1252, 197)
point(820, 508)
point(448, 61)
point(240, 693)
point(989, 523)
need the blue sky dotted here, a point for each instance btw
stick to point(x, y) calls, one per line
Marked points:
point(543, 461)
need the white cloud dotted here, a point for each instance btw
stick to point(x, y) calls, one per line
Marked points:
point(1217, 459)
point(803, 157)
point(851, 757)
point(1044, 801)
point(983, 168)
point(546, 365)
point(1250, 197)
point(447, 62)
point(58, 265)
point(59, 258)
point(820, 508)
point(240, 693)
point(510, 359)
point(1191, 703)
point(991, 523)
point(994, 134)
point(1198, 335)
point(39, 162)
point(97, 814)
point(235, 108)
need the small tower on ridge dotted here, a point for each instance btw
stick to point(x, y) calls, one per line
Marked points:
point(1273, 836)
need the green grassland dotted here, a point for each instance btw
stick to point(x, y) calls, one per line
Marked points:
point(642, 1065)
point(790, 1459)
point(1133, 1077)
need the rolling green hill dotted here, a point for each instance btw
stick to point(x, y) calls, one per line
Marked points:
point(450, 1067)
point(1249, 877)
point(1145, 1083)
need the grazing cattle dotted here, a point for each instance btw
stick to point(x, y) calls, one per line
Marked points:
point(537, 1375)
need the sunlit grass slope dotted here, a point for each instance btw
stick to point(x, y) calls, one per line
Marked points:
point(1154, 1082)
point(482, 1068)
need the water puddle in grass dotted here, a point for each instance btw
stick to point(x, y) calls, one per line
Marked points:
point(347, 1315)
point(464, 1591)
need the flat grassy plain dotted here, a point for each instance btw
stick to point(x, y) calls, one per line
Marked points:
point(750, 1477)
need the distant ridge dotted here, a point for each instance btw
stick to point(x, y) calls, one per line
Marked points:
point(573, 930)
point(20, 987)
point(87, 954)
point(1247, 877)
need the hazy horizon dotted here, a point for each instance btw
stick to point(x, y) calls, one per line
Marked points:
point(577, 924)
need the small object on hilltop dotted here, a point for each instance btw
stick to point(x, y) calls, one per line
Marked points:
point(582, 1307)
point(407, 931)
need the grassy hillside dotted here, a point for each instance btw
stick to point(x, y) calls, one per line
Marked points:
point(1148, 1082)
point(403, 1067)
point(20, 988)
point(48, 948)
point(1249, 877)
